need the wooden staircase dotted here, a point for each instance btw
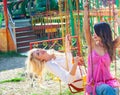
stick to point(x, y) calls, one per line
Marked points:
point(24, 35)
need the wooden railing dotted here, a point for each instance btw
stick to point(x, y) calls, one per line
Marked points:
point(11, 26)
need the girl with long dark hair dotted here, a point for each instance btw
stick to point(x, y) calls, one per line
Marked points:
point(101, 50)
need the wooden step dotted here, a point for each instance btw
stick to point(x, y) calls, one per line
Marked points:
point(21, 29)
point(23, 33)
point(24, 43)
point(25, 38)
point(22, 22)
point(23, 49)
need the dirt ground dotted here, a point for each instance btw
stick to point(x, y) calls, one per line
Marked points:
point(13, 67)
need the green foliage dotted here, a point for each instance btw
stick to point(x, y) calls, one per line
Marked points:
point(33, 94)
point(1, 16)
point(10, 54)
point(41, 5)
point(12, 80)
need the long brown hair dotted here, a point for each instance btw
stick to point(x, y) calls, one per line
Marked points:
point(103, 30)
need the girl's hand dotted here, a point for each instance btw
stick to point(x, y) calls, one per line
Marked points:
point(68, 37)
point(53, 56)
point(79, 60)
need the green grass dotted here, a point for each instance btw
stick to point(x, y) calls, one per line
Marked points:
point(12, 80)
point(11, 54)
point(67, 92)
point(33, 94)
point(44, 92)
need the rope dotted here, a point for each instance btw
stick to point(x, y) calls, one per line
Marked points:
point(113, 8)
point(67, 27)
point(90, 43)
point(60, 87)
point(79, 48)
point(78, 29)
point(109, 11)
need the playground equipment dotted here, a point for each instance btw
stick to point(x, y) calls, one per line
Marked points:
point(71, 18)
point(65, 21)
point(53, 22)
point(57, 44)
point(1, 16)
point(68, 18)
point(7, 33)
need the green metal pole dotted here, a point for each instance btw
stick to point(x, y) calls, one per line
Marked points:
point(71, 17)
point(117, 3)
point(97, 2)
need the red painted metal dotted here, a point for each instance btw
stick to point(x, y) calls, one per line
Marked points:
point(5, 12)
point(40, 27)
point(6, 21)
point(56, 39)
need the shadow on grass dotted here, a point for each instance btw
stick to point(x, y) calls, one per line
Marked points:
point(11, 54)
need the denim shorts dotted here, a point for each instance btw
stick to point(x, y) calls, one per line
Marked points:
point(105, 89)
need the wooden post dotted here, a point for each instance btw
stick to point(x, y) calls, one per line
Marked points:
point(6, 20)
